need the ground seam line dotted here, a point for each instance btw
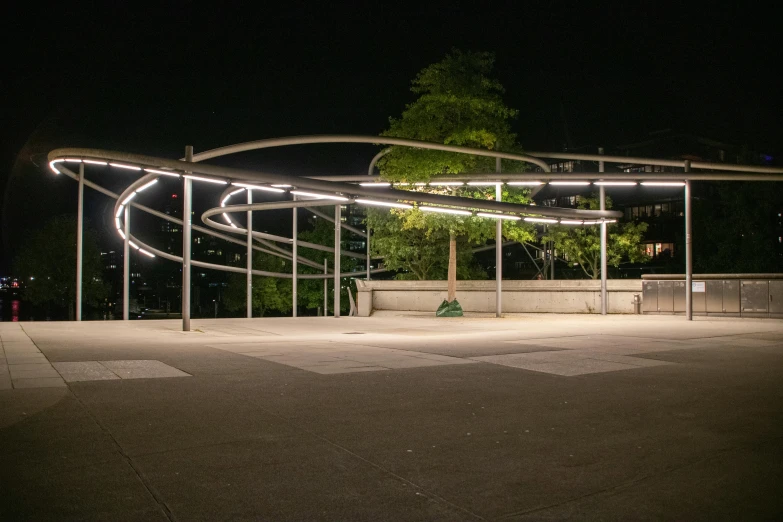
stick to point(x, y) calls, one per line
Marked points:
point(139, 475)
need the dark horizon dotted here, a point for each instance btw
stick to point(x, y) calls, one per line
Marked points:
point(153, 81)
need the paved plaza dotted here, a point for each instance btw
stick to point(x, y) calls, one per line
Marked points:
point(393, 417)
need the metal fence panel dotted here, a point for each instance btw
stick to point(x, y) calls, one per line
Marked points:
point(776, 297)
point(755, 296)
point(731, 296)
point(679, 296)
point(650, 296)
point(714, 296)
point(666, 296)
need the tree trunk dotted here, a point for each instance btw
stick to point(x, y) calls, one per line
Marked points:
point(452, 267)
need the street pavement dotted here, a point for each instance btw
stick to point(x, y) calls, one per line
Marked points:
point(393, 417)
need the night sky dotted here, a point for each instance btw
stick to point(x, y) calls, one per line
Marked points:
point(154, 79)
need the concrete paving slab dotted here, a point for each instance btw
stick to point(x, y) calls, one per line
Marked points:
point(31, 358)
point(38, 382)
point(247, 438)
point(142, 369)
point(44, 370)
point(84, 371)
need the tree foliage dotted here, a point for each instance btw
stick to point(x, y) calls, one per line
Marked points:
point(458, 103)
point(735, 228)
point(47, 264)
point(582, 244)
point(271, 295)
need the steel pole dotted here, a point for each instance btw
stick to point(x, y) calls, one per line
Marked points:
point(368, 252)
point(249, 256)
point(79, 242)
point(126, 267)
point(295, 263)
point(187, 223)
point(688, 249)
point(602, 199)
point(498, 249)
point(326, 288)
point(337, 221)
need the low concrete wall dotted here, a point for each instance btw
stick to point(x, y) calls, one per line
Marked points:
point(566, 296)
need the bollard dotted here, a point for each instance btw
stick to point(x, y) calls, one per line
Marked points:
point(637, 304)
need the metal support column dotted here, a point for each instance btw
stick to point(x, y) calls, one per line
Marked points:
point(602, 199)
point(249, 303)
point(498, 249)
point(295, 261)
point(337, 230)
point(326, 288)
point(187, 223)
point(552, 261)
point(688, 249)
point(126, 267)
point(368, 251)
point(79, 242)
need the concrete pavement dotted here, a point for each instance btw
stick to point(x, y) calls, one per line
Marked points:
point(529, 417)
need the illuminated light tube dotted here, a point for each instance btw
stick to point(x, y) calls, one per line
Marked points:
point(228, 219)
point(235, 192)
point(375, 184)
point(54, 169)
point(233, 225)
point(258, 187)
point(498, 216)
point(73, 160)
point(569, 183)
point(117, 223)
point(122, 166)
point(446, 183)
point(571, 222)
point(664, 183)
point(147, 185)
point(208, 180)
point(95, 162)
point(119, 211)
point(610, 221)
point(134, 245)
point(484, 183)
point(615, 183)
point(122, 234)
point(444, 210)
point(525, 183)
point(146, 253)
point(133, 195)
point(590, 222)
point(540, 220)
point(383, 203)
point(318, 196)
point(163, 172)
point(283, 186)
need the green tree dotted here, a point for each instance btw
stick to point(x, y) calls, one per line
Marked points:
point(582, 244)
point(458, 103)
point(270, 294)
point(311, 291)
point(735, 227)
point(47, 264)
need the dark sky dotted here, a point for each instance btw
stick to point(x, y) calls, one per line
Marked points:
point(153, 79)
